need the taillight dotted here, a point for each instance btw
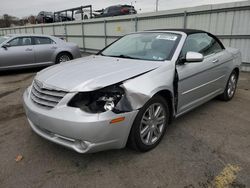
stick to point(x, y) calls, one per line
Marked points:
point(124, 10)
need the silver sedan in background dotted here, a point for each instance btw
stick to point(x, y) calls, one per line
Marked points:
point(23, 51)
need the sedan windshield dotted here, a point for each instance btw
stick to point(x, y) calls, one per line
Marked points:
point(2, 39)
point(144, 46)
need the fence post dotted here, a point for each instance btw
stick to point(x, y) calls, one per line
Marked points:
point(53, 28)
point(83, 38)
point(65, 32)
point(185, 20)
point(136, 24)
point(42, 29)
point(232, 27)
point(105, 32)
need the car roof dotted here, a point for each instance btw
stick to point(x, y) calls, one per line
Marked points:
point(32, 35)
point(187, 31)
point(120, 6)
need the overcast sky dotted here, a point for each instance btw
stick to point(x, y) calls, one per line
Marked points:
point(21, 8)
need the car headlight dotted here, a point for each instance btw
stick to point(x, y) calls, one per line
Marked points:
point(98, 101)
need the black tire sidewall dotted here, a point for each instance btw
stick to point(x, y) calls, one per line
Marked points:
point(134, 138)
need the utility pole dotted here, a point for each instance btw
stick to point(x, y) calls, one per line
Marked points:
point(157, 3)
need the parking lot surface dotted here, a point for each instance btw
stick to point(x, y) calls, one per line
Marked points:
point(208, 147)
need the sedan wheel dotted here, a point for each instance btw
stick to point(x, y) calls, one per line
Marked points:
point(230, 88)
point(150, 125)
point(63, 57)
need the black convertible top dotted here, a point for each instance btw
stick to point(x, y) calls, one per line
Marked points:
point(187, 31)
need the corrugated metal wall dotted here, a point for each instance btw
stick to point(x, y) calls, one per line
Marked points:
point(230, 22)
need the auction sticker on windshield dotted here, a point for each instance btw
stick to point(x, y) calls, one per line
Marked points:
point(167, 37)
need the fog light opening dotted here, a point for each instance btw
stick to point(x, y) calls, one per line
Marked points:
point(82, 145)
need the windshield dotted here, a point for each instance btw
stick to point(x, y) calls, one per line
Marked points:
point(2, 39)
point(145, 46)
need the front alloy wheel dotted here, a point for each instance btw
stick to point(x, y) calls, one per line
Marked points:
point(150, 125)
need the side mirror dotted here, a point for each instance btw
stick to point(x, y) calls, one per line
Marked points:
point(5, 46)
point(193, 57)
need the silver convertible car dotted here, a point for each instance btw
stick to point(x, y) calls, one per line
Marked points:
point(23, 51)
point(130, 91)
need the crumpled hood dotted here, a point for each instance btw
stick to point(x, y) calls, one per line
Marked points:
point(93, 72)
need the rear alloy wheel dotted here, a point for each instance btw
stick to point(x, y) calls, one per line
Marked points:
point(150, 125)
point(63, 57)
point(230, 88)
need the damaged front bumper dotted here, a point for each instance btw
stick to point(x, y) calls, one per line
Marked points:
point(78, 130)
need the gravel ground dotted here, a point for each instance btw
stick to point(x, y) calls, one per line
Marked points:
point(208, 147)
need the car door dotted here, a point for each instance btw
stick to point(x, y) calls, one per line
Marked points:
point(44, 49)
point(19, 53)
point(199, 82)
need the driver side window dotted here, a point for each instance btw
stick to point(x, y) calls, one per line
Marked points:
point(201, 43)
point(21, 41)
point(14, 42)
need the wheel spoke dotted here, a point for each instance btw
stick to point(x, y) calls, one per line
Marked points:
point(145, 131)
point(158, 111)
point(151, 112)
point(160, 120)
point(157, 131)
point(149, 137)
point(145, 121)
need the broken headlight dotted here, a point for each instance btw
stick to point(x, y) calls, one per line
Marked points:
point(98, 101)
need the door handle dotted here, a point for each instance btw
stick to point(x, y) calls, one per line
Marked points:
point(28, 50)
point(215, 61)
point(53, 48)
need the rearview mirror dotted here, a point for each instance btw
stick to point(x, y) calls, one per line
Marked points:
point(5, 46)
point(194, 57)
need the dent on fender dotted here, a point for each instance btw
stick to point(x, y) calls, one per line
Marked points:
point(137, 93)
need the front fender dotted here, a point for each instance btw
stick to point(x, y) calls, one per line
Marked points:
point(140, 89)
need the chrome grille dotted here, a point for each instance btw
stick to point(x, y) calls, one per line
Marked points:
point(46, 97)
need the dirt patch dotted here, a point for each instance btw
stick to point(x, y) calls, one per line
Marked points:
point(11, 112)
point(20, 80)
point(4, 94)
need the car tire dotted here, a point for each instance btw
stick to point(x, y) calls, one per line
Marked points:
point(231, 86)
point(63, 57)
point(148, 130)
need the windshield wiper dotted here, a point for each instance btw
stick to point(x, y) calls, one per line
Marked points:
point(124, 56)
point(100, 53)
